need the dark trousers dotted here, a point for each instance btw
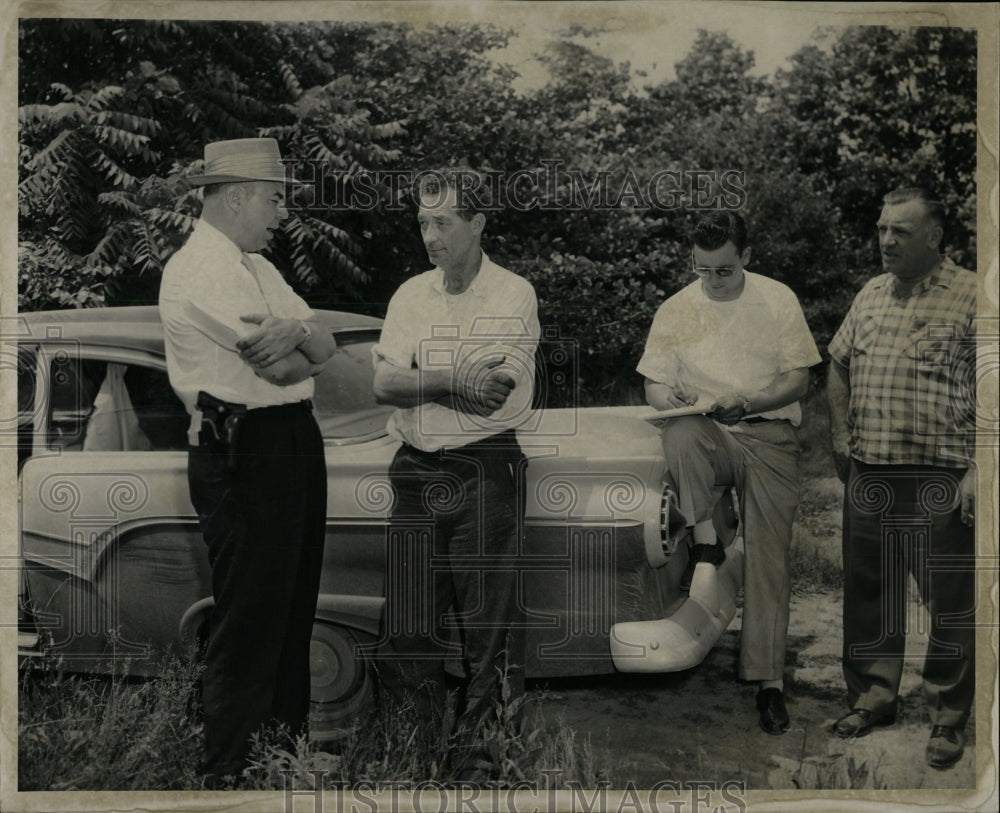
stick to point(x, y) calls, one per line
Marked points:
point(264, 523)
point(452, 554)
point(901, 521)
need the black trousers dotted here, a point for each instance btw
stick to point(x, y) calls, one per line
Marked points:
point(902, 521)
point(264, 523)
point(452, 564)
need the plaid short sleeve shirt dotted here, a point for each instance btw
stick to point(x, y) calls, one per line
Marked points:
point(912, 364)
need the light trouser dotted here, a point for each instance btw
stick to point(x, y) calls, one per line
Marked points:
point(762, 460)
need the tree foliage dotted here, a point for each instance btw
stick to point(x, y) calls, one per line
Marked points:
point(114, 115)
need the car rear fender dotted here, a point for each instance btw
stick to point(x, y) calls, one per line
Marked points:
point(363, 613)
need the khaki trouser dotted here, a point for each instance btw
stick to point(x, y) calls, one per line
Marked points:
point(762, 460)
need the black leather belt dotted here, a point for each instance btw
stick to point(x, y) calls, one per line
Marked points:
point(305, 403)
point(502, 441)
point(207, 401)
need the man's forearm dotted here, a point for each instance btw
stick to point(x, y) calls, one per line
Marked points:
point(292, 369)
point(662, 396)
point(320, 345)
point(789, 387)
point(838, 394)
point(408, 388)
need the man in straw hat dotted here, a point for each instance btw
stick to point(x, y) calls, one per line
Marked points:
point(241, 352)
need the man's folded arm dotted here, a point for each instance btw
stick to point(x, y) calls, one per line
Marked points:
point(277, 337)
point(404, 388)
point(292, 369)
point(320, 344)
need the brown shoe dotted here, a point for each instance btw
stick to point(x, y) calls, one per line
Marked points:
point(859, 722)
point(945, 746)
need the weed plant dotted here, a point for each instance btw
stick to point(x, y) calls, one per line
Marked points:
point(81, 732)
point(85, 732)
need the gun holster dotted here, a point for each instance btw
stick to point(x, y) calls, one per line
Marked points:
point(220, 425)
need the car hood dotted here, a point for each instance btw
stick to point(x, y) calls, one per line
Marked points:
point(597, 433)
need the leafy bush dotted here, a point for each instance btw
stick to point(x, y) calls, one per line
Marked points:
point(603, 310)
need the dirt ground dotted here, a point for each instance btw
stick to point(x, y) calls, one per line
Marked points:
point(701, 724)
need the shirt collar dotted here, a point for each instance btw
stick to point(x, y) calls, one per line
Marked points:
point(216, 241)
point(940, 277)
point(480, 285)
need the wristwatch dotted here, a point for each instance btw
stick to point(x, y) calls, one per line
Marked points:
point(306, 333)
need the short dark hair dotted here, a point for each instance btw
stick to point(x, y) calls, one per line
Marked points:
point(212, 189)
point(471, 190)
point(932, 202)
point(716, 228)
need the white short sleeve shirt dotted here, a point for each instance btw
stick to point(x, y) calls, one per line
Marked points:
point(208, 271)
point(427, 328)
point(740, 346)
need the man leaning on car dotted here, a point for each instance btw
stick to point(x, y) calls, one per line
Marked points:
point(456, 356)
point(241, 352)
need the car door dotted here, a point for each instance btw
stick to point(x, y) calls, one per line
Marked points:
point(110, 545)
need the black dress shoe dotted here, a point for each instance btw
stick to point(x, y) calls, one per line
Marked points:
point(858, 722)
point(713, 554)
point(773, 714)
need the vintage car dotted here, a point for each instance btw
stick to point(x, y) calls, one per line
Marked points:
point(115, 573)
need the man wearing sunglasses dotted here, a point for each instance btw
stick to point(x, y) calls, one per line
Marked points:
point(737, 343)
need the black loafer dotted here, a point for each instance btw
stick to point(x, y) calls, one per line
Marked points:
point(858, 722)
point(773, 714)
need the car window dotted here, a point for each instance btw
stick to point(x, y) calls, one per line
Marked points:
point(26, 361)
point(345, 404)
point(160, 413)
point(73, 386)
point(102, 406)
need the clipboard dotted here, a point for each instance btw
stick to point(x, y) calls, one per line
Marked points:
point(677, 412)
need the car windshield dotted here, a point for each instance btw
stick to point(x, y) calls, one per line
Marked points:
point(345, 405)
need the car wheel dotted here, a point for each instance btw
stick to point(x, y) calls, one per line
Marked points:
point(342, 685)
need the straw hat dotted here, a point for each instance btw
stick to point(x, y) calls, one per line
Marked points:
point(243, 159)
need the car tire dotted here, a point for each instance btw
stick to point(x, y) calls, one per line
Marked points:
point(342, 684)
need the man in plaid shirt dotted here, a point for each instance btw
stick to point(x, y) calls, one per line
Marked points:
point(902, 404)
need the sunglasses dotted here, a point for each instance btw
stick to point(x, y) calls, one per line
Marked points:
point(703, 271)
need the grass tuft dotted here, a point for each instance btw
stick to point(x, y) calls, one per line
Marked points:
point(78, 732)
point(84, 732)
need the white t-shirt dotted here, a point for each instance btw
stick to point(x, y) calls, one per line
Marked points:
point(740, 346)
point(208, 272)
point(427, 328)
